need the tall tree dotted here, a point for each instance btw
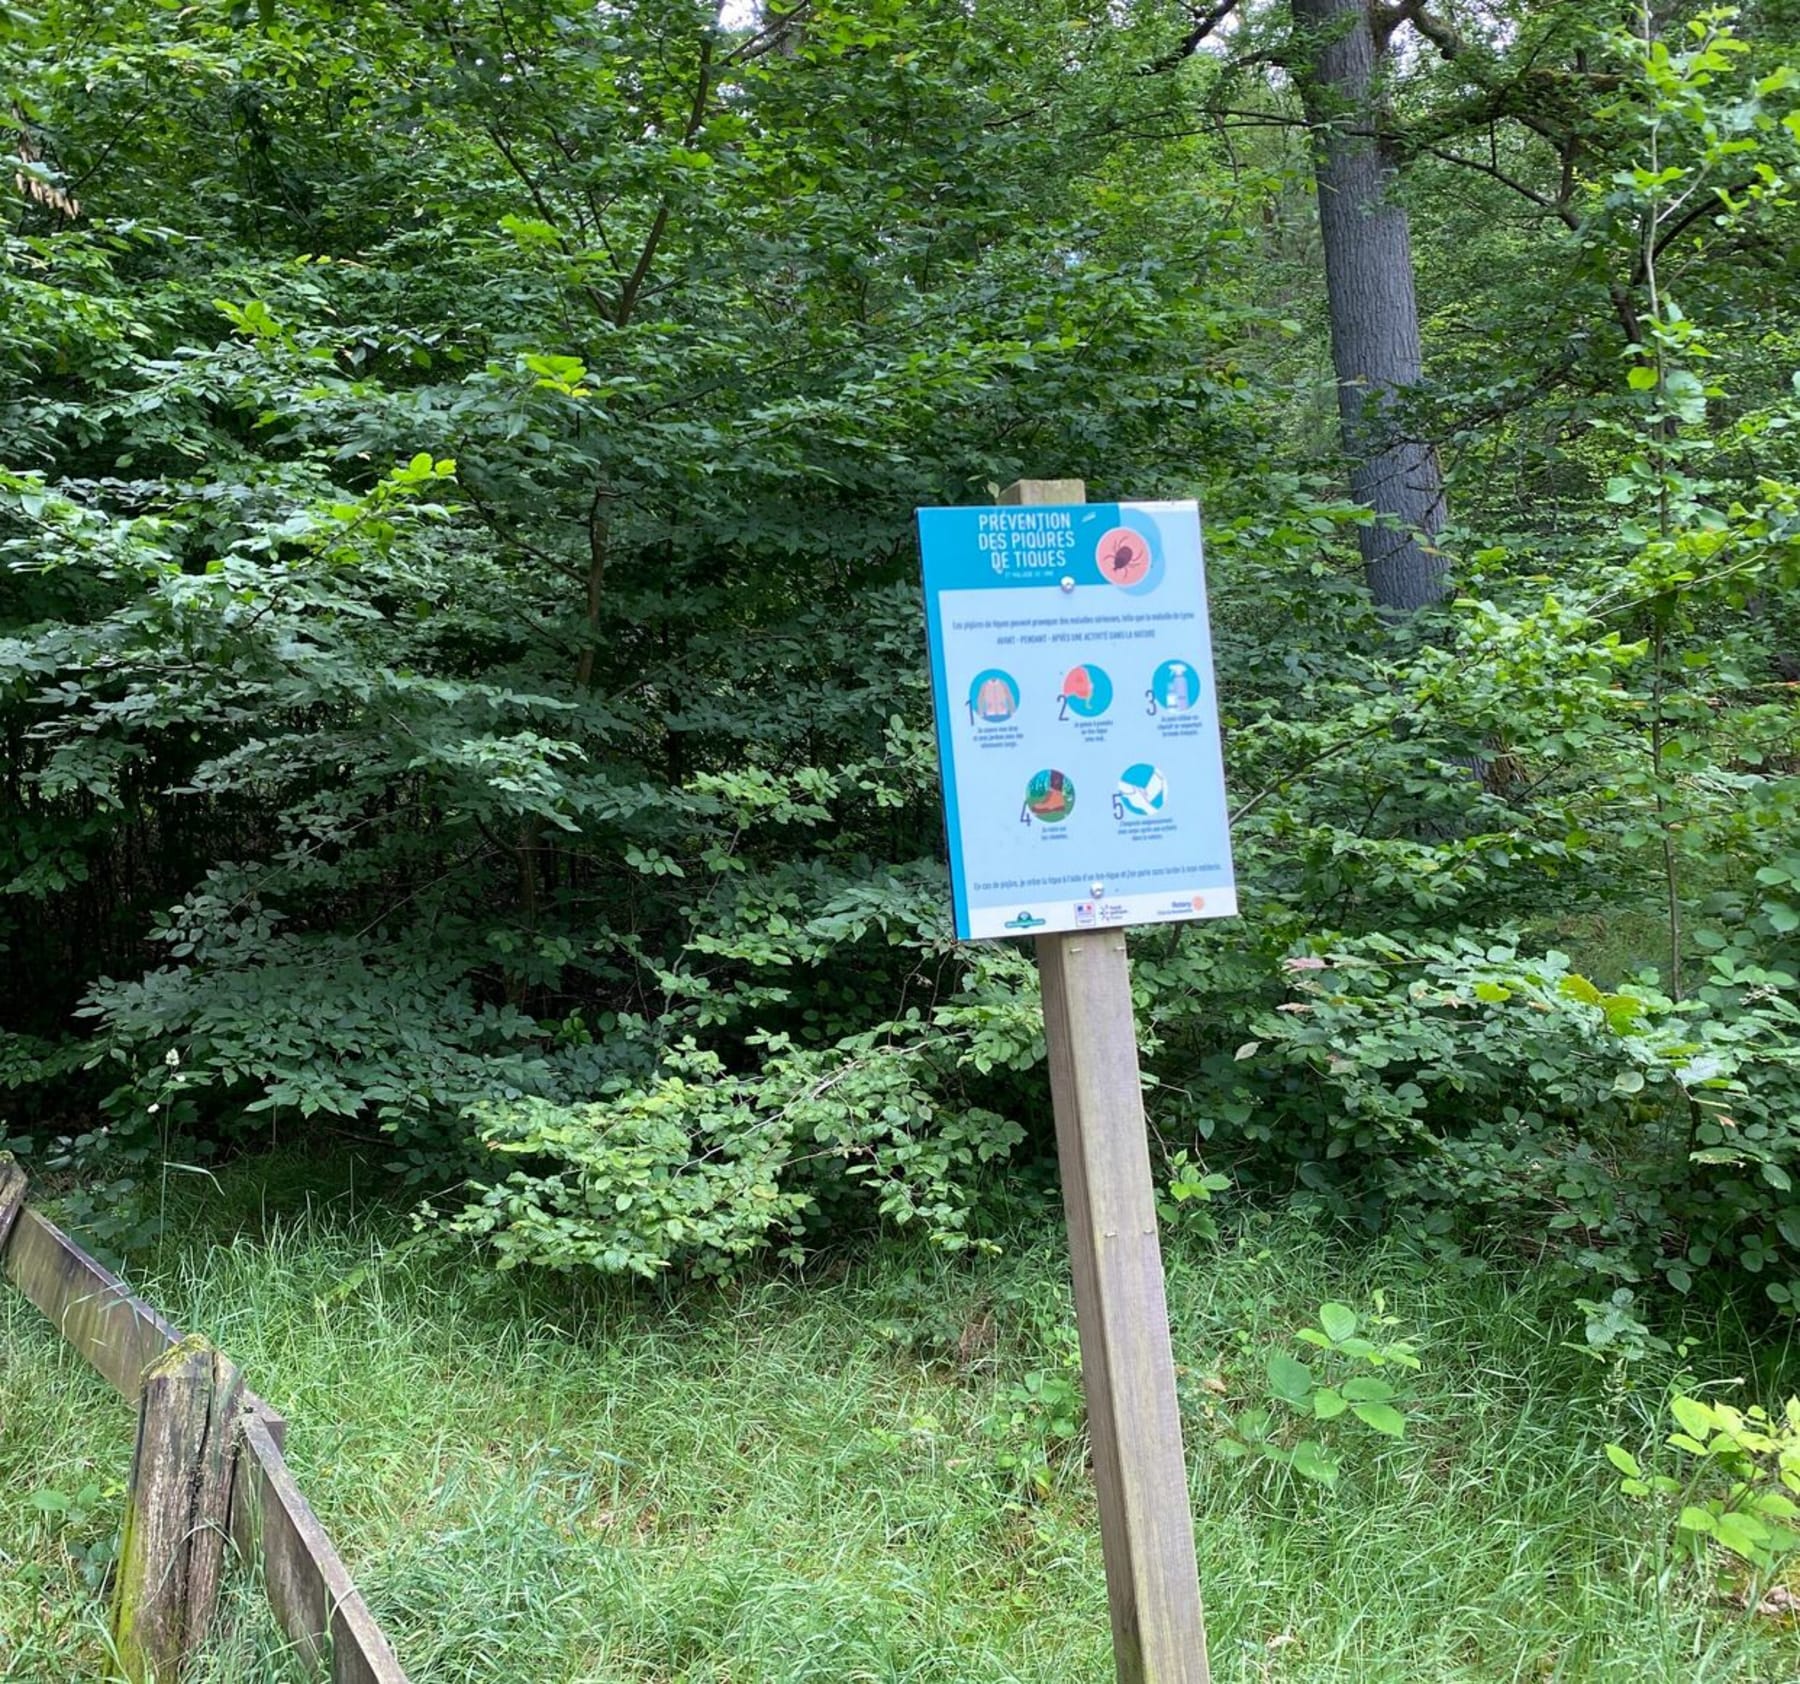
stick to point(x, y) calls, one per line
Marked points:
point(1335, 50)
point(1375, 348)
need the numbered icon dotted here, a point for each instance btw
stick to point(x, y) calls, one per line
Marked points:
point(1049, 797)
point(1086, 692)
point(993, 697)
point(1142, 791)
point(1175, 686)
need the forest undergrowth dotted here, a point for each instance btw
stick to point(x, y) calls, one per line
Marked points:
point(463, 701)
point(877, 1473)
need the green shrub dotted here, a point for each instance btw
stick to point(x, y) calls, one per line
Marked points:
point(1486, 1091)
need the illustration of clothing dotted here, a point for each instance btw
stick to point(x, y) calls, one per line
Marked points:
point(1055, 797)
point(994, 700)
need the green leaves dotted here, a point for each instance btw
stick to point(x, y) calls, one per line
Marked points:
point(694, 1169)
point(1290, 1380)
point(1696, 1418)
point(1383, 1417)
point(1738, 1490)
point(253, 318)
point(1313, 1461)
point(1324, 1395)
point(1459, 1069)
point(457, 619)
point(457, 630)
point(559, 374)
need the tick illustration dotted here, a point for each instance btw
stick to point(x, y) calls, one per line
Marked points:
point(1123, 555)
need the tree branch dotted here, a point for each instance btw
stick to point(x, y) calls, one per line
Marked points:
point(1702, 206)
point(1442, 35)
point(1308, 765)
point(769, 37)
point(1493, 173)
point(628, 294)
point(1204, 24)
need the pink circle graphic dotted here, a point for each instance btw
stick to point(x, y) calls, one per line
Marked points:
point(1123, 555)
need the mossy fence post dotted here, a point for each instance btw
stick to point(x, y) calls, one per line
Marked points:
point(177, 1509)
point(12, 1194)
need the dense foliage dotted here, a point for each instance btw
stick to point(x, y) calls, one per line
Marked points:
point(460, 663)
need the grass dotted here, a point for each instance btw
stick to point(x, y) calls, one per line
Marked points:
point(848, 1479)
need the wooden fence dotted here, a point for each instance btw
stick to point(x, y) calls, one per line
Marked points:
point(194, 1416)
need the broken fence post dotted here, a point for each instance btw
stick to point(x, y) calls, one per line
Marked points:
point(177, 1509)
point(12, 1194)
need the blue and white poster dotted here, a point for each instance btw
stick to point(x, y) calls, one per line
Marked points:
point(1078, 731)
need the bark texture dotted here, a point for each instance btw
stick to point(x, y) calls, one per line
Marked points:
point(1374, 311)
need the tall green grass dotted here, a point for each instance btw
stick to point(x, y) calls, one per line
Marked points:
point(790, 1481)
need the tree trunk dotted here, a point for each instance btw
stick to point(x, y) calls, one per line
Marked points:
point(1374, 313)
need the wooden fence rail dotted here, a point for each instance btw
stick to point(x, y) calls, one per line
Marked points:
point(270, 1521)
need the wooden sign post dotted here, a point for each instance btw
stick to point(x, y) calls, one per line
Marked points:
point(1127, 1366)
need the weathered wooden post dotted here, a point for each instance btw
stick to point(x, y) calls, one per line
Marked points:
point(12, 1194)
point(171, 1553)
point(1127, 1365)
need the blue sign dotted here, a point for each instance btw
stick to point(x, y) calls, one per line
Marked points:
point(1078, 732)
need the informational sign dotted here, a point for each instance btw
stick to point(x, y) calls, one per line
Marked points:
point(1071, 665)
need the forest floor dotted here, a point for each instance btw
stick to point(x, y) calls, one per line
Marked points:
point(864, 1477)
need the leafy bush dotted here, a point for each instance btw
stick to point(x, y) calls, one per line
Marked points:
point(699, 1167)
point(1742, 1475)
point(1482, 1088)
